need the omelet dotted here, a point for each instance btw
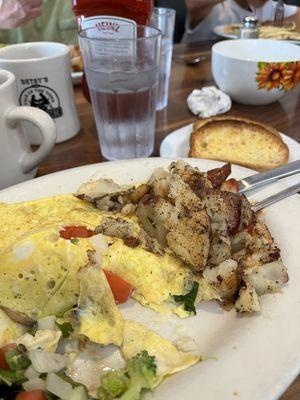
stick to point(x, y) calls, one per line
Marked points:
point(169, 359)
point(9, 330)
point(32, 228)
point(38, 273)
point(43, 274)
point(99, 317)
point(155, 278)
point(20, 218)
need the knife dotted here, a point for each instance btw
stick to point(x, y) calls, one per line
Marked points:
point(264, 178)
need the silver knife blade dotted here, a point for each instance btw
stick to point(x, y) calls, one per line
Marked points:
point(265, 178)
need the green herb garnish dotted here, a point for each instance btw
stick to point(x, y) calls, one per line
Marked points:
point(66, 378)
point(11, 378)
point(188, 299)
point(66, 329)
point(17, 358)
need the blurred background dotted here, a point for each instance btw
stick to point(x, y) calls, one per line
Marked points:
point(179, 6)
point(65, 30)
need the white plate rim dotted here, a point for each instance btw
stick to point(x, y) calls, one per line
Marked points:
point(190, 383)
point(219, 30)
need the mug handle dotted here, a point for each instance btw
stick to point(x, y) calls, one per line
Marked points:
point(46, 126)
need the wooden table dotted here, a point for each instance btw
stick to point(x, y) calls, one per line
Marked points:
point(84, 148)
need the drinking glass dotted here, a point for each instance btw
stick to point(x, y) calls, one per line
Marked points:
point(121, 63)
point(164, 20)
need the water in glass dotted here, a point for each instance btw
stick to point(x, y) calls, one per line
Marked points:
point(124, 108)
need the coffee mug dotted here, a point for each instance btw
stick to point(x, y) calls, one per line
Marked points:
point(17, 162)
point(43, 73)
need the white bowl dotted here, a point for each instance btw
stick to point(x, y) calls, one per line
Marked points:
point(256, 71)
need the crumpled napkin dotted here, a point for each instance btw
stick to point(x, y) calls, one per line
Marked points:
point(208, 101)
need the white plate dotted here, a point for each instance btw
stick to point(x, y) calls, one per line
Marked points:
point(76, 77)
point(177, 144)
point(257, 356)
point(220, 30)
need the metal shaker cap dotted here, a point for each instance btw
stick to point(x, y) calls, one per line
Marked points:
point(250, 22)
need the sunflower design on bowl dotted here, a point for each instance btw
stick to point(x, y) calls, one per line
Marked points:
point(282, 76)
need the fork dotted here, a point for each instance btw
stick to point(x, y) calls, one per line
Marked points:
point(276, 197)
point(265, 178)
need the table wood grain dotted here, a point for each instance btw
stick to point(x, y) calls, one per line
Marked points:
point(84, 148)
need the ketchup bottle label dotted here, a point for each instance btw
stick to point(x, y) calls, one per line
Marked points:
point(111, 27)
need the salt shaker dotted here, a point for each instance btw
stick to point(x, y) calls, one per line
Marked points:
point(249, 30)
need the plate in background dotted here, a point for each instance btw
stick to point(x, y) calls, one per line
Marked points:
point(176, 144)
point(220, 30)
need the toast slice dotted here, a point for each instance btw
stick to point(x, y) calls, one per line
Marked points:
point(238, 141)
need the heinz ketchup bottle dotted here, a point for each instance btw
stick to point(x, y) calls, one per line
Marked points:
point(90, 13)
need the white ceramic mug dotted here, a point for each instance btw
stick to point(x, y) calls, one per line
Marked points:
point(43, 73)
point(17, 162)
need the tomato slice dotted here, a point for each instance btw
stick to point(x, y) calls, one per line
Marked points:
point(3, 351)
point(69, 232)
point(120, 288)
point(33, 395)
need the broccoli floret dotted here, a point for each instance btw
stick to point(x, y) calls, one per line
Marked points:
point(127, 384)
point(141, 370)
point(113, 385)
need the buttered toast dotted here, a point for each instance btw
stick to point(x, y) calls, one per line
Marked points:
point(238, 141)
